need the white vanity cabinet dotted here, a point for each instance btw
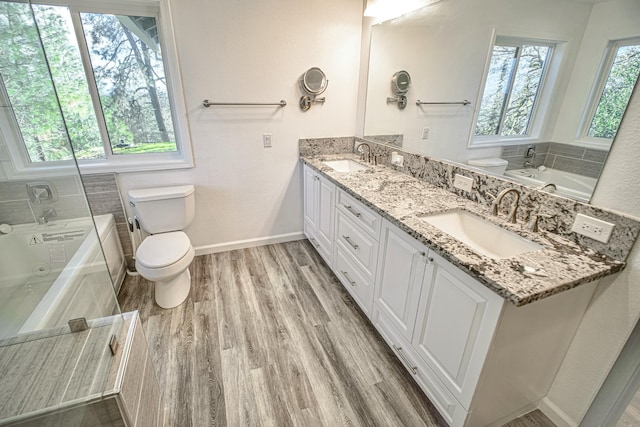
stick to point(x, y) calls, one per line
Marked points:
point(319, 212)
point(437, 319)
point(479, 359)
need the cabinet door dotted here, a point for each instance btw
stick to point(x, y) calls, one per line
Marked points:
point(326, 202)
point(456, 321)
point(311, 183)
point(401, 266)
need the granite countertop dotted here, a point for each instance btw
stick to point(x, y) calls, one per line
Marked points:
point(521, 279)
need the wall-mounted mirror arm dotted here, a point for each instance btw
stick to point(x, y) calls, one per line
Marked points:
point(306, 101)
point(400, 99)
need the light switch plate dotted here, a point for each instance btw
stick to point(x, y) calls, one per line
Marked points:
point(593, 228)
point(463, 182)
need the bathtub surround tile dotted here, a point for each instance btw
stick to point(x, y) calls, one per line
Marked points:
point(577, 166)
point(99, 183)
point(276, 337)
point(599, 156)
point(104, 197)
point(16, 212)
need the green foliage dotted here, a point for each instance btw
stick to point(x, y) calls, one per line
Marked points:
point(129, 74)
point(616, 93)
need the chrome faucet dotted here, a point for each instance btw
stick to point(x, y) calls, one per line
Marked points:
point(46, 214)
point(367, 158)
point(496, 203)
point(547, 184)
point(533, 221)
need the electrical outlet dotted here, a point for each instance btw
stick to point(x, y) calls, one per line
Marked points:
point(463, 182)
point(266, 139)
point(593, 228)
point(397, 159)
point(425, 133)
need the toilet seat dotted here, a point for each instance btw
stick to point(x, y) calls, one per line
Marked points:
point(163, 250)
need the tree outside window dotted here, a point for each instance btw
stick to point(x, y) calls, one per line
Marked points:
point(120, 107)
point(621, 77)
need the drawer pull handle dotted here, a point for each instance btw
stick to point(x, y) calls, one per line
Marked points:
point(349, 241)
point(413, 369)
point(353, 211)
point(346, 275)
point(314, 242)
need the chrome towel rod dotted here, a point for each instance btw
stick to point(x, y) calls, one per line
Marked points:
point(465, 102)
point(207, 103)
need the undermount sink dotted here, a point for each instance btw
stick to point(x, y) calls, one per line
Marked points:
point(345, 165)
point(481, 235)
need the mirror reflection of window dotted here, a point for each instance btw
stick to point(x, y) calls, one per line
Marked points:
point(512, 87)
point(615, 84)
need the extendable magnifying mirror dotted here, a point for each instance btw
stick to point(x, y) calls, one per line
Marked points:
point(313, 82)
point(400, 83)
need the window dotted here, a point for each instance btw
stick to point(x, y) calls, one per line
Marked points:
point(619, 73)
point(108, 72)
point(512, 87)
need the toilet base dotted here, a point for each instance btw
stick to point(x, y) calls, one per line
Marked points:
point(172, 293)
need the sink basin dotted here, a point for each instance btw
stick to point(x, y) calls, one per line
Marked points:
point(345, 165)
point(480, 235)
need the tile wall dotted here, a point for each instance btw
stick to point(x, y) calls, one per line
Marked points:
point(564, 157)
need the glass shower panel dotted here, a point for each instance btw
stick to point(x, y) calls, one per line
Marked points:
point(52, 266)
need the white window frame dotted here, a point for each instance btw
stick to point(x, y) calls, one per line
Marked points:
point(542, 103)
point(20, 164)
point(596, 92)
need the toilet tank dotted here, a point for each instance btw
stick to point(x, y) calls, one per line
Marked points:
point(494, 165)
point(163, 209)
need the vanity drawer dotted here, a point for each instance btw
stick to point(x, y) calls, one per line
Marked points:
point(360, 245)
point(451, 410)
point(369, 220)
point(354, 280)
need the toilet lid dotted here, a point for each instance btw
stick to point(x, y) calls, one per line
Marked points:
point(161, 250)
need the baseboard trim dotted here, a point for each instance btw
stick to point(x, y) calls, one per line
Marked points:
point(248, 243)
point(555, 414)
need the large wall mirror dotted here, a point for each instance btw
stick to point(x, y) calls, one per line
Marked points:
point(547, 83)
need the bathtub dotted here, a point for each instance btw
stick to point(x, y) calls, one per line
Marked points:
point(569, 184)
point(55, 272)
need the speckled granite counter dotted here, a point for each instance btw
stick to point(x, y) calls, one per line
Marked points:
point(402, 199)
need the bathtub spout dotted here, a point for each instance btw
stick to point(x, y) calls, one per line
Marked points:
point(46, 214)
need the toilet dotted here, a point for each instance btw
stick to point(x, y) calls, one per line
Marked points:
point(165, 254)
point(492, 165)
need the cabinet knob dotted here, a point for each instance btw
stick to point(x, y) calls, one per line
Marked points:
point(424, 255)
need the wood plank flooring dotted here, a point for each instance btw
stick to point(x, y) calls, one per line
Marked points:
point(268, 336)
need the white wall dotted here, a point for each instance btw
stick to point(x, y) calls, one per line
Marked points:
point(247, 51)
point(445, 52)
point(615, 308)
point(599, 31)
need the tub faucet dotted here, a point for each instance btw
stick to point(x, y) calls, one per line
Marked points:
point(514, 207)
point(46, 214)
point(547, 184)
point(362, 155)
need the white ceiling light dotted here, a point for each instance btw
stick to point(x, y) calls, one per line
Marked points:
point(383, 10)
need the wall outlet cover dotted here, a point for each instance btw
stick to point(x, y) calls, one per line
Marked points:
point(397, 159)
point(594, 228)
point(463, 182)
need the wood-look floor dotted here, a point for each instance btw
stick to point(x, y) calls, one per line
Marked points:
point(268, 336)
